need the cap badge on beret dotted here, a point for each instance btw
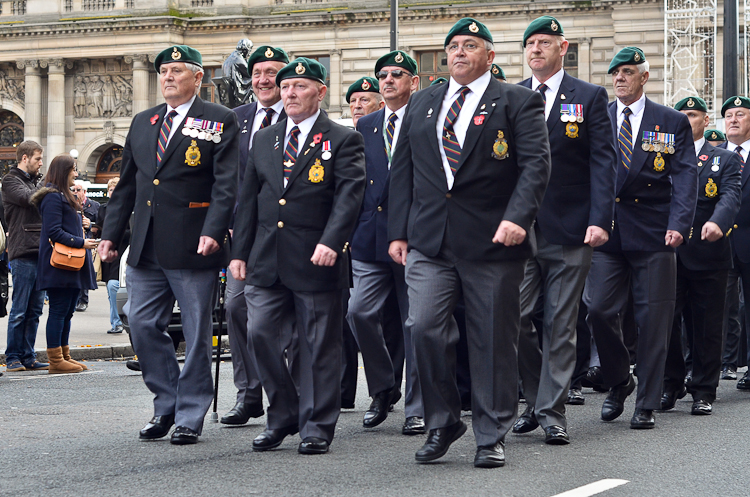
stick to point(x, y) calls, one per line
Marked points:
point(691, 103)
point(714, 135)
point(495, 70)
point(175, 54)
point(268, 53)
point(474, 28)
point(399, 58)
point(637, 57)
point(553, 26)
point(300, 69)
point(365, 85)
point(737, 101)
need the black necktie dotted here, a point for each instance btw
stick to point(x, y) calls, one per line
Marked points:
point(542, 89)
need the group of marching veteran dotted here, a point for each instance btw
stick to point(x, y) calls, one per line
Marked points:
point(479, 221)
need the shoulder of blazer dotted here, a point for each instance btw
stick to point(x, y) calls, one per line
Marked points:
point(245, 111)
point(372, 120)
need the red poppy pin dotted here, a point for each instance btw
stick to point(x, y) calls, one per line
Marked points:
point(703, 157)
point(317, 138)
point(154, 119)
point(478, 120)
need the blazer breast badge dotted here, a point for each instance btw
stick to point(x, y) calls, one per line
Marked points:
point(500, 147)
point(193, 154)
point(316, 172)
point(711, 188)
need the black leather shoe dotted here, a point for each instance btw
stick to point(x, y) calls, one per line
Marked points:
point(701, 408)
point(183, 435)
point(526, 422)
point(556, 435)
point(575, 397)
point(643, 419)
point(133, 365)
point(594, 379)
point(614, 404)
point(728, 373)
point(414, 425)
point(241, 413)
point(490, 456)
point(744, 382)
point(156, 428)
point(313, 445)
point(270, 439)
point(439, 441)
point(381, 404)
point(669, 399)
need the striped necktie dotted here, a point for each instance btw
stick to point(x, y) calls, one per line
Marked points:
point(290, 152)
point(390, 130)
point(542, 89)
point(450, 142)
point(166, 126)
point(625, 142)
point(738, 151)
point(267, 119)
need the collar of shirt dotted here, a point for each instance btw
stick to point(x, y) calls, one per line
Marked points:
point(260, 114)
point(553, 87)
point(397, 125)
point(304, 130)
point(636, 108)
point(745, 148)
point(182, 111)
point(699, 145)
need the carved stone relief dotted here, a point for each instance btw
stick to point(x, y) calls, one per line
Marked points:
point(12, 83)
point(103, 89)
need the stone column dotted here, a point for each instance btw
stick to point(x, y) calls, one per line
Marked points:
point(584, 59)
point(32, 125)
point(56, 108)
point(335, 91)
point(140, 82)
point(159, 97)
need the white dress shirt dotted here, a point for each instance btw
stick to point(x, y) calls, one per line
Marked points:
point(745, 149)
point(461, 126)
point(260, 114)
point(182, 111)
point(699, 145)
point(636, 117)
point(304, 129)
point(397, 127)
point(553, 87)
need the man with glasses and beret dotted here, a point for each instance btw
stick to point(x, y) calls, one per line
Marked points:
point(262, 66)
point(461, 230)
point(303, 186)
point(702, 266)
point(657, 185)
point(375, 273)
point(179, 179)
point(575, 217)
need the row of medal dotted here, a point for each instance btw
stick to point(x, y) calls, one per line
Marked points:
point(658, 142)
point(203, 129)
point(571, 113)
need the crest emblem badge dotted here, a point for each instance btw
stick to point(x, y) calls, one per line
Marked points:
point(737, 101)
point(691, 103)
point(193, 154)
point(365, 85)
point(268, 53)
point(500, 148)
point(495, 70)
point(316, 172)
point(659, 163)
point(637, 57)
point(175, 54)
point(711, 188)
point(571, 130)
point(399, 58)
point(473, 27)
point(714, 136)
point(553, 26)
point(300, 69)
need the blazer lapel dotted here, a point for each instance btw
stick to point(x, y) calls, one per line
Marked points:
point(308, 149)
point(481, 116)
point(434, 105)
point(380, 170)
point(196, 110)
point(153, 135)
point(277, 155)
point(566, 90)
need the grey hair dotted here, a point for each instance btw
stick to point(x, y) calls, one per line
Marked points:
point(642, 67)
point(195, 68)
point(489, 46)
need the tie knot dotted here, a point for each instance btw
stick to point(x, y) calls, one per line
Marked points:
point(464, 90)
point(269, 111)
point(172, 113)
point(627, 111)
point(542, 88)
point(392, 118)
point(738, 149)
point(295, 131)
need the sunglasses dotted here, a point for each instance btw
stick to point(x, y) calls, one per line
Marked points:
point(396, 73)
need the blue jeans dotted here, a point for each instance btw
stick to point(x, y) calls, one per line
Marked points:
point(114, 318)
point(26, 307)
point(62, 305)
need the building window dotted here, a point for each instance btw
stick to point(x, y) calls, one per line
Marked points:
point(18, 8)
point(11, 134)
point(326, 61)
point(432, 65)
point(570, 61)
point(129, 4)
point(109, 164)
point(202, 3)
point(98, 4)
point(68, 5)
point(208, 90)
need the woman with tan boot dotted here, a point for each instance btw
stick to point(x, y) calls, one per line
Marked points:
point(62, 224)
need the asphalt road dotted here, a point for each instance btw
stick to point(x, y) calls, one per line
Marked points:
point(77, 435)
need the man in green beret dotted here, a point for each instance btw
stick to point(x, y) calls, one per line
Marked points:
point(364, 98)
point(439, 81)
point(178, 179)
point(715, 137)
point(498, 73)
point(702, 268)
point(491, 141)
point(374, 272)
point(262, 65)
point(303, 185)
point(568, 227)
point(736, 114)
point(656, 195)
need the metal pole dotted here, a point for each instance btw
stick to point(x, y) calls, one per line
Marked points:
point(731, 48)
point(222, 295)
point(394, 25)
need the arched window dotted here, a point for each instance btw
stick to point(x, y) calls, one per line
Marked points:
point(109, 164)
point(11, 135)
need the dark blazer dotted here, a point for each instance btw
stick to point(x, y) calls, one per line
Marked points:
point(718, 201)
point(370, 238)
point(741, 229)
point(581, 189)
point(164, 196)
point(277, 228)
point(650, 202)
point(60, 223)
point(486, 190)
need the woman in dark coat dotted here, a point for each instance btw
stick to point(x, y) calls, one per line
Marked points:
point(61, 223)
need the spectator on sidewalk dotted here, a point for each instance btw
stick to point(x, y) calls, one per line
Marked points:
point(111, 270)
point(90, 209)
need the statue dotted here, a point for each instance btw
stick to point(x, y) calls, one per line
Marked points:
point(79, 93)
point(235, 86)
point(108, 97)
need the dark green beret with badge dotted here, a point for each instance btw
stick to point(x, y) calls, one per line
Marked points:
point(302, 67)
point(178, 53)
point(266, 54)
point(470, 27)
point(366, 84)
point(628, 55)
point(546, 25)
point(397, 58)
point(497, 72)
point(438, 81)
point(734, 102)
point(714, 135)
point(692, 103)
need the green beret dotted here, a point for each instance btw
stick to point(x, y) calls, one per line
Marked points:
point(438, 81)
point(714, 135)
point(178, 53)
point(692, 103)
point(266, 54)
point(497, 72)
point(733, 102)
point(546, 25)
point(302, 67)
point(397, 58)
point(367, 84)
point(628, 55)
point(470, 27)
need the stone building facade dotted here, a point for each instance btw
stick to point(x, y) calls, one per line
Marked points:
point(74, 72)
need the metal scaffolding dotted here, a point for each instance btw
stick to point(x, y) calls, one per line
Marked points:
point(690, 55)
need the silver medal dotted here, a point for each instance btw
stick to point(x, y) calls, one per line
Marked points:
point(579, 119)
point(193, 133)
point(645, 147)
point(209, 137)
point(714, 168)
point(201, 135)
point(326, 155)
point(217, 138)
point(185, 131)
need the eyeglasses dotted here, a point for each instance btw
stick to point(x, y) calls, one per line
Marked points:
point(467, 47)
point(396, 73)
point(77, 189)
